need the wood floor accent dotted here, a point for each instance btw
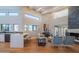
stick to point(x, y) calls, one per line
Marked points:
point(32, 47)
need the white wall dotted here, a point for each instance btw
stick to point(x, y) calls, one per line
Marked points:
point(17, 20)
point(60, 19)
point(27, 20)
point(11, 19)
point(48, 19)
point(63, 21)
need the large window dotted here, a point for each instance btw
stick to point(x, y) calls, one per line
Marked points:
point(16, 27)
point(13, 14)
point(2, 14)
point(5, 27)
point(56, 29)
point(9, 27)
point(30, 27)
point(34, 27)
point(60, 31)
point(26, 27)
point(9, 14)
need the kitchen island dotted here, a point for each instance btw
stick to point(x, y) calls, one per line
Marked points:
point(15, 39)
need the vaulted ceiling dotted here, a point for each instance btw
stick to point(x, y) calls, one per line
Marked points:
point(47, 9)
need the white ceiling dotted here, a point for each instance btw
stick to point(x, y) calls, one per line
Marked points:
point(47, 9)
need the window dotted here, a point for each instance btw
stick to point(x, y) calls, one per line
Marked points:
point(9, 27)
point(13, 14)
point(16, 27)
point(26, 27)
point(10, 14)
point(34, 27)
point(56, 29)
point(2, 14)
point(5, 27)
point(32, 17)
point(64, 31)
point(30, 27)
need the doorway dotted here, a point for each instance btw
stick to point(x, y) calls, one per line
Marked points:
point(60, 31)
point(7, 37)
